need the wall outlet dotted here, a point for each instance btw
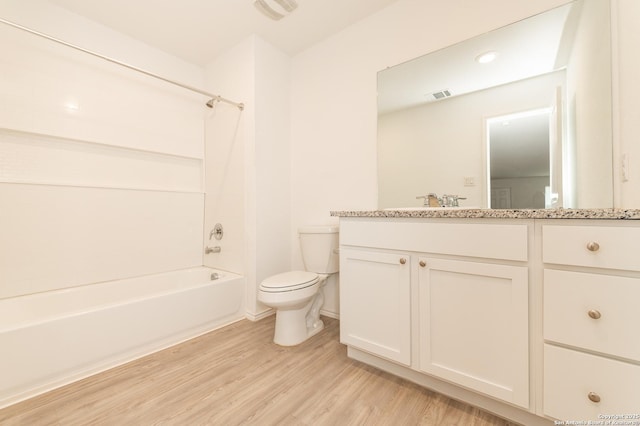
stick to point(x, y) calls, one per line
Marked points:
point(469, 181)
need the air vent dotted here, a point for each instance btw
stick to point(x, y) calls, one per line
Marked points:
point(441, 94)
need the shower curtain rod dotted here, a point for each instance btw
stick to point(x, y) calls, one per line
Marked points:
point(210, 103)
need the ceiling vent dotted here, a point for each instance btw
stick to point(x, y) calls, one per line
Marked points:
point(441, 94)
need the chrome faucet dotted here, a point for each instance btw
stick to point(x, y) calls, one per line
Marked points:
point(451, 200)
point(432, 200)
point(215, 249)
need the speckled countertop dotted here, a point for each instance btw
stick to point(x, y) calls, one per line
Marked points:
point(497, 213)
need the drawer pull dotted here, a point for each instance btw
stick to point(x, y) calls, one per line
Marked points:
point(593, 246)
point(403, 260)
point(594, 314)
point(593, 397)
point(423, 263)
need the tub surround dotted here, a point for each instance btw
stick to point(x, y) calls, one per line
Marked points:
point(633, 214)
point(520, 312)
point(104, 204)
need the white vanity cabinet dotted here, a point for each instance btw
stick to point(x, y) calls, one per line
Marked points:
point(452, 293)
point(474, 326)
point(591, 319)
point(375, 302)
point(530, 316)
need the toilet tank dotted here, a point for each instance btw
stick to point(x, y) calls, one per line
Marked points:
point(319, 245)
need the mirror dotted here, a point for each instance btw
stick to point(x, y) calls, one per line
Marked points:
point(448, 124)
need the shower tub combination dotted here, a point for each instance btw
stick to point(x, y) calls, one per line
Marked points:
point(54, 338)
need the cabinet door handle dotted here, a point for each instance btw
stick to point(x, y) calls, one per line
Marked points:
point(403, 260)
point(593, 246)
point(423, 263)
point(593, 397)
point(594, 314)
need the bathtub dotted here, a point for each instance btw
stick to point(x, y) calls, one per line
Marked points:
point(54, 338)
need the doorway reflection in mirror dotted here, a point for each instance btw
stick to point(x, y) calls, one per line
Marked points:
point(520, 161)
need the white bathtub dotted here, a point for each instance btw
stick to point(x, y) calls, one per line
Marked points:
point(53, 338)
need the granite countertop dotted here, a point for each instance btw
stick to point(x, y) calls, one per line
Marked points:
point(497, 213)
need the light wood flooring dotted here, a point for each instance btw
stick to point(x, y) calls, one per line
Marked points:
point(237, 376)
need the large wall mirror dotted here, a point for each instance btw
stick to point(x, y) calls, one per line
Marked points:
point(528, 126)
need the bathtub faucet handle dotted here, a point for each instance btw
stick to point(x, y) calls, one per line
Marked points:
point(217, 232)
point(215, 249)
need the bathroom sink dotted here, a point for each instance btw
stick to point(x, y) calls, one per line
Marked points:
point(401, 209)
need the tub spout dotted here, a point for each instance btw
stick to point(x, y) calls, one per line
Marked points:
point(215, 249)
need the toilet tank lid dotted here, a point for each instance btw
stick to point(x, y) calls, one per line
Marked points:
point(319, 229)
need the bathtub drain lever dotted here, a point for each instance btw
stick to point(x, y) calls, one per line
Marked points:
point(215, 249)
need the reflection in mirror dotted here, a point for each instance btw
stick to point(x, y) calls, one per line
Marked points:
point(442, 117)
point(519, 169)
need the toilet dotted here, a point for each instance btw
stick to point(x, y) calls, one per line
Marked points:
point(297, 296)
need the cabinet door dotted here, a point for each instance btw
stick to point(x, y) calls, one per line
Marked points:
point(474, 326)
point(375, 303)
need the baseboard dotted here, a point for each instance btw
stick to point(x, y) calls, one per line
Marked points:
point(268, 312)
point(330, 314)
point(251, 316)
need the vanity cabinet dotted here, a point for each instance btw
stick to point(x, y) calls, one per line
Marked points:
point(375, 303)
point(591, 339)
point(474, 326)
point(535, 319)
point(453, 294)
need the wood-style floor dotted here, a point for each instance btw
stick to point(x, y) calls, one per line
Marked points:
point(237, 376)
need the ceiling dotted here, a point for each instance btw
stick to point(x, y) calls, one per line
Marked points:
point(198, 30)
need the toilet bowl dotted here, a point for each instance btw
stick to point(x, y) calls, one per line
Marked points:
point(297, 296)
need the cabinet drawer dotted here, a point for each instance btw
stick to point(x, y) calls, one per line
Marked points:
point(591, 311)
point(592, 246)
point(570, 376)
point(493, 241)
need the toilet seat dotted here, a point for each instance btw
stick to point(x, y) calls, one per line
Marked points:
point(289, 281)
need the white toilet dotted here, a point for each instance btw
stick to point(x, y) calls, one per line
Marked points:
point(297, 296)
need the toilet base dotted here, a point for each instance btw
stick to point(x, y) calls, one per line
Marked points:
point(318, 328)
point(294, 326)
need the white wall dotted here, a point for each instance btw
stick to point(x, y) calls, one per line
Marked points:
point(627, 91)
point(248, 183)
point(272, 161)
point(153, 135)
point(101, 170)
point(431, 148)
point(589, 98)
point(55, 21)
point(333, 113)
point(334, 98)
point(334, 94)
point(332, 132)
